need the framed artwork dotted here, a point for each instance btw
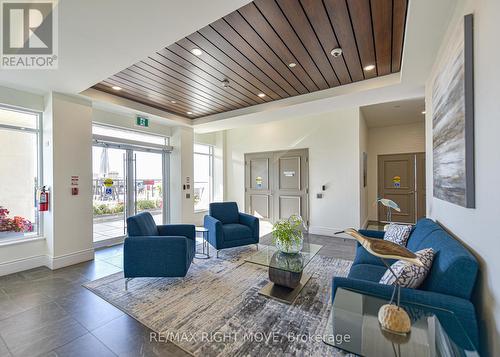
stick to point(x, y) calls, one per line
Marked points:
point(453, 120)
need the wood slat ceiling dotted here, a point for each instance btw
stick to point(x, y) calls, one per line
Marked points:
point(253, 47)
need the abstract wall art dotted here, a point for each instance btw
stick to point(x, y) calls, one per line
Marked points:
point(453, 120)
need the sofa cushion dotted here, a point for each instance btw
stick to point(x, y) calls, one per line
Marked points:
point(408, 274)
point(398, 233)
point(423, 229)
point(454, 269)
point(226, 212)
point(141, 225)
point(235, 231)
point(367, 272)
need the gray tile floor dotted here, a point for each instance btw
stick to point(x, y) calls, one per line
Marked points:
point(49, 313)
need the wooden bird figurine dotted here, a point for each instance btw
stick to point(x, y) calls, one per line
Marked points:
point(383, 248)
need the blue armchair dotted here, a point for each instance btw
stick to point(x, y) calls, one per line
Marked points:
point(157, 251)
point(229, 228)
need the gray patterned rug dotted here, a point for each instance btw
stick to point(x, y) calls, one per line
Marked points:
point(216, 310)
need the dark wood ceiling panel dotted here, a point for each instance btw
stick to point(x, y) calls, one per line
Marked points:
point(169, 90)
point(362, 25)
point(285, 31)
point(191, 92)
point(229, 69)
point(227, 32)
point(185, 59)
point(382, 29)
point(295, 14)
point(322, 26)
point(239, 24)
point(273, 90)
point(165, 66)
point(138, 96)
point(398, 30)
point(152, 92)
point(304, 66)
point(280, 48)
point(204, 44)
point(339, 16)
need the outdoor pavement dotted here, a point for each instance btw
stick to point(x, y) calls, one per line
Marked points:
point(112, 228)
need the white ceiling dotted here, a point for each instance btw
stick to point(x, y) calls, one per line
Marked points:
point(394, 113)
point(100, 38)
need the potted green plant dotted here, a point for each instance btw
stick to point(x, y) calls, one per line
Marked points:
point(288, 234)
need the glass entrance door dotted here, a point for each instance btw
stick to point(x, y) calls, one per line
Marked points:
point(109, 192)
point(148, 184)
point(127, 181)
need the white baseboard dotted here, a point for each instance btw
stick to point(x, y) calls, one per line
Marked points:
point(70, 259)
point(53, 263)
point(18, 265)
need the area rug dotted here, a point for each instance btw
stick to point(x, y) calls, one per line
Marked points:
point(216, 310)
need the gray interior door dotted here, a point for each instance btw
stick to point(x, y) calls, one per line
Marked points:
point(277, 184)
point(258, 183)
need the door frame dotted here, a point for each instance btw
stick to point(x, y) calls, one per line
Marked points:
point(129, 146)
point(272, 172)
point(416, 192)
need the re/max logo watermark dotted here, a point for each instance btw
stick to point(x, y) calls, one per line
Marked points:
point(29, 34)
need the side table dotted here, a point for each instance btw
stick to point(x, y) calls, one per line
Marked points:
point(205, 252)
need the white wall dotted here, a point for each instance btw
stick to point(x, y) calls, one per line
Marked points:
point(333, 143)
point(478, 227)
point(398, 139)
point(67, 149)
point(25, 100)
point(181, 167)
point(128, 121)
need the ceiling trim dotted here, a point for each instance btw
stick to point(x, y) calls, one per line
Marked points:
point(356, 87)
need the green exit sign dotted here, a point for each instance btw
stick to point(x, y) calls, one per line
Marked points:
point(141, 121)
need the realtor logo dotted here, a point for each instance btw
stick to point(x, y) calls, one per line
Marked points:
point(29, 34)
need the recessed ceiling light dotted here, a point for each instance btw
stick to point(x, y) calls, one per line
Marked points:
point(173, 101)
point(189, 113)
point(261, 95)
point(291, 65)
point(196, 52)
point(423, 112)
point(116, 88)
point(369, 67)
point(336, 52)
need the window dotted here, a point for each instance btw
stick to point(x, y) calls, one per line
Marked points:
point(203, 176)
point(19, 174)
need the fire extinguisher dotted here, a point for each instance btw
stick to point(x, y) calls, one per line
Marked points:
point(43, 203)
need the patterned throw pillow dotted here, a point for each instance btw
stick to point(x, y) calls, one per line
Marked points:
point(398, 233)
point(410, 275)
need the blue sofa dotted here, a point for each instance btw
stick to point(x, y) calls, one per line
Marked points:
point(448, 286)
point(157, 251)
point(230, 228)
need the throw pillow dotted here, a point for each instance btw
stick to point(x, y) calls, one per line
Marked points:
point(398, 233)
point(410, 275)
